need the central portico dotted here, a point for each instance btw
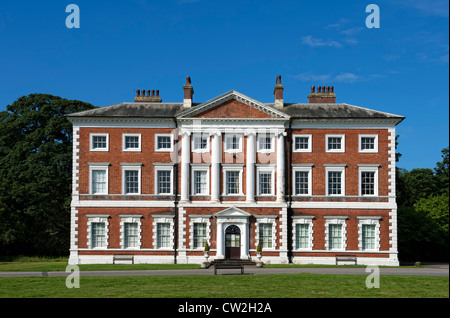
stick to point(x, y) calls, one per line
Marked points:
point(232, 234)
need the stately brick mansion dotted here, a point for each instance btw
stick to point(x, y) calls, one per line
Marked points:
point(308, 182)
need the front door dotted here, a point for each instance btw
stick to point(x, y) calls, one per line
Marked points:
point(233, 242)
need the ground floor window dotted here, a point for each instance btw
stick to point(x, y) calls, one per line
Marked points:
point(265, 235)
point(199, 235)
point(302, 236)
point(163, 235)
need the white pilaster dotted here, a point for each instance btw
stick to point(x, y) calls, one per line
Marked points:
point(280, 166)
point(250, 165)
point(185, 161)
point(216, 156)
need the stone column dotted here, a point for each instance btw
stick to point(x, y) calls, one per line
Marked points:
point(185, 162)
point(250, 165)
point(216, 159)
point(280, 166)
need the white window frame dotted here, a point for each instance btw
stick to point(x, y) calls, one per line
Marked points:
point(335, 168)
point(103, 166)
point(157, 149)
point(309, 136)
point(232, 167)
point(163, 167)
point(302, 168)
point(336, 220)
point(271, 170)
point(368, 168)
point(272, 143)
point(162, 219)
point(199, 219)
point(91, 141)
point(131, 167)
point(193, 143)
point(124, 136)
point(369, 220)
point(305, 220)
point(229, 136)
point(266, 220)
point(95, 218)
point(375, 150)
point(130, 219)
point(342, 136)
point(199, 167)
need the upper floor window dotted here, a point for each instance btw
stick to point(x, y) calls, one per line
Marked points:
point(163, 179)
point(163, 142)
point(232, 179)
point(98, 178)
point(368, 143)
point(335, 143)
point(368, 180)
point(266, 143)
point(335, 180)
point(200, 142)
point(265, 179)
point(302, 177)
point(99, 142)
point(302, 143)
point(200, 180)
point(233, 143)
point(131, 142)
point(131, 178)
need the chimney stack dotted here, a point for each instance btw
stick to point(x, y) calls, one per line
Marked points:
point(150, 97)
point(278, 92)
point(188, 93)
point(325, 95)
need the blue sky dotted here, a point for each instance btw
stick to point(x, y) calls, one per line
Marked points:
point(401, 67)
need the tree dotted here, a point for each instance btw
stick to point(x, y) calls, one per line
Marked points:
point(35, 174)
point(423, 212)
point(442, 172)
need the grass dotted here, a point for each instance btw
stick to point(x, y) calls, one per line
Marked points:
point(45, 264)
point(227, 286)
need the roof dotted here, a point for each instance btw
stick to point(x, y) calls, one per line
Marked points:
point(291, 110)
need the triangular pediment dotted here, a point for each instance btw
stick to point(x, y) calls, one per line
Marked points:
point(232, 212)
point(233, 105)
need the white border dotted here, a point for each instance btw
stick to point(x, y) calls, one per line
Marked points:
point(375, 150)
point(342, 136)
point(309, 136)
point(124, 135)
point(91, 141)
point(130, 219)
point(164, 149)
point(135, 167)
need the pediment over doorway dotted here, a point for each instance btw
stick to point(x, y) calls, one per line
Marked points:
point(232, 212)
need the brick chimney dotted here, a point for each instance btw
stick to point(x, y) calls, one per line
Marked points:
point(325, 94)
point(188, 93)
point(152, 96)
point(278, 92)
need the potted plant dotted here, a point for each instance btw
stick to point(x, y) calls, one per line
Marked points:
point(206, 251)
point(259, 251)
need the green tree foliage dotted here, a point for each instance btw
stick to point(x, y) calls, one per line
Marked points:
point(423, 212)
point(35, 174)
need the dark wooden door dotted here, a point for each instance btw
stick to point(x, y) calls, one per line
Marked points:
point(233, 242)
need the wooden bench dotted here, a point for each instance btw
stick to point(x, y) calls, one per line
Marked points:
point(123, 258)
point(229, 265)
point(346, 258)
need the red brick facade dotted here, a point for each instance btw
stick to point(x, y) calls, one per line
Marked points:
point(168, 215)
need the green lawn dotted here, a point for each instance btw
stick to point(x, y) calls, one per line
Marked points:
point(228, 286)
